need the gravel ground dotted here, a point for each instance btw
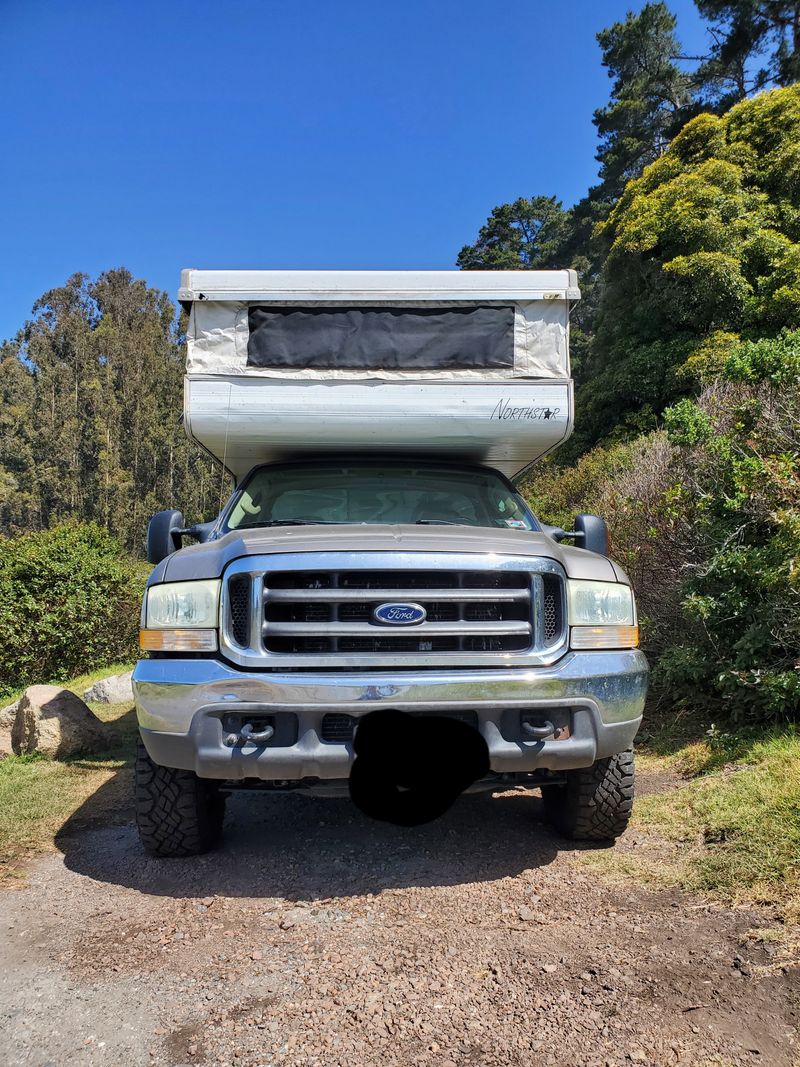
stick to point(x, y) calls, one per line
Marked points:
point(318, 937)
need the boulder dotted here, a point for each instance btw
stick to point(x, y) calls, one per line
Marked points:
point(116, 689)
point(55, 722)
point(8, 715)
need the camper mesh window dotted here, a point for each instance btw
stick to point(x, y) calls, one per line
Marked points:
point(380, 338)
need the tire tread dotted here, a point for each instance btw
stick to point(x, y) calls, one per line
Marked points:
point(177, 813)
point(597, 801)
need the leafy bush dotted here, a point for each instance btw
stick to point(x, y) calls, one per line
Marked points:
point(705, 517)
point(739, 454)
point(706, 240)
point(653, 534)
point(69, 603)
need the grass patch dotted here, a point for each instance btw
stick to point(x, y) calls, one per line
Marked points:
point(730, 829)
point(38, 795)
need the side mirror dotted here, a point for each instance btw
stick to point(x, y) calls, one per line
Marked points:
point(164, 535)
point(591, 533)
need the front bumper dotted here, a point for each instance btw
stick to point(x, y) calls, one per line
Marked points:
point(181, 704)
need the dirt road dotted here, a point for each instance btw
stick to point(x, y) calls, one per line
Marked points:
point(318, 937)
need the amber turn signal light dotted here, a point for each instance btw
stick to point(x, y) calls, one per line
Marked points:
point(178, 640)
point(604, 637)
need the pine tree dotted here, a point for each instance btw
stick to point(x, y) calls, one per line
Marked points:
point(650, 100)
point(754, 44)
point(526, 234)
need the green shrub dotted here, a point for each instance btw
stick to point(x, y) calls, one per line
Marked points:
point(557, 493)
point(739, 453)
point(705, 518)
point(69, 603)
point(651, 521)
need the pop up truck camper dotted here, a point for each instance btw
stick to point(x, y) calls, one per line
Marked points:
point(376, 609)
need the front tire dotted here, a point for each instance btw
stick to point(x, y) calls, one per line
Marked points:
point(596, 802)
point(177, 813)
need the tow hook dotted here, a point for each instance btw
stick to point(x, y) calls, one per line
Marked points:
point(247, 732)
point(538, 732)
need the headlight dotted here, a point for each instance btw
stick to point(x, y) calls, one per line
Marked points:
point(601, 615)
point(187, 605)
point(599, 603)
point(181, 617)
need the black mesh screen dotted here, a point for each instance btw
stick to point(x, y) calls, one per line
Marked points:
point(552, 609)
point(239, 600)
point(371, 338)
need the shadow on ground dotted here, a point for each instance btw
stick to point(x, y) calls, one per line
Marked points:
point(305, 848)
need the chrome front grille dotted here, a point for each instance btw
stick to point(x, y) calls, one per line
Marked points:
point(305, 611)
point(317, 610)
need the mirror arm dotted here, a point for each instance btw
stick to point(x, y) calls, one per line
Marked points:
point(560, 535)
point(197, 531)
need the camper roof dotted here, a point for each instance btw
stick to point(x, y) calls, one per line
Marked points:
point(395, 286)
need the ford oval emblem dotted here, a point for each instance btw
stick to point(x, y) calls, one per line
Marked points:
point(399, 614)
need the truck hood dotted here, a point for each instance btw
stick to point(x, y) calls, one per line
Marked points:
point(211, 559)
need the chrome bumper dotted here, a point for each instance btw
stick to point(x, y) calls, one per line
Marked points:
point(180, 705)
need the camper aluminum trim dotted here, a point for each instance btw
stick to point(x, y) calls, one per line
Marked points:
point(344, 286)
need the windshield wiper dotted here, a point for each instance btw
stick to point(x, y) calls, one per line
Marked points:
point(289, 522)
point(340, 522)
point(439, 522)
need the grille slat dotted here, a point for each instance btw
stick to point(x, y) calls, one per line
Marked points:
point(368, 629)
point(277, 596)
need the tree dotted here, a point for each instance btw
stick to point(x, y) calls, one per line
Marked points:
point(90, 402)
point(527, 234)
point(18, 504)
point(704, 245)
point(755, 44)
point(650, 99)
point(650, 96)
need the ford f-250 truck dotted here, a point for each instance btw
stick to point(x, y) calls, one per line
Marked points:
point(375, 565)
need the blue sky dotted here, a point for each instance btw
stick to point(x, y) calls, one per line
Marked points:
point(161, 134)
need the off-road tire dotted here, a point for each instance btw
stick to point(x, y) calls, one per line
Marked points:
point(177, 813)
point(596, 802)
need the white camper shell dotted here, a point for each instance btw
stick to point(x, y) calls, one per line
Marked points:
point(469, 365)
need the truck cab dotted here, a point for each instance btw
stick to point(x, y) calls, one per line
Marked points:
point(376, 610)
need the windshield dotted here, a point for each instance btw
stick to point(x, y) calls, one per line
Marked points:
point(377, 493)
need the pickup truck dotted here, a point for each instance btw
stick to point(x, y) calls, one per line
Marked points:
point(372, 614)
